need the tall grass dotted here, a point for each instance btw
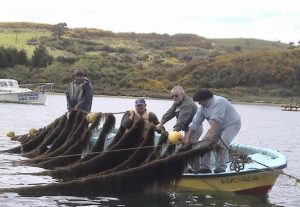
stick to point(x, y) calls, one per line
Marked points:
point(18, 39)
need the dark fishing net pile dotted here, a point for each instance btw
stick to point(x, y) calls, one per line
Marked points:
point(132, 161)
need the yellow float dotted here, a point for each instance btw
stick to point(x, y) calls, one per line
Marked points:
point(91, 117)
point(33, 132)
point(10, 134)
point(175, 137)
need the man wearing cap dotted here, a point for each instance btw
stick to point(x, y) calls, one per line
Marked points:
point(79, 92)
point(225, 123)
point(140, 112)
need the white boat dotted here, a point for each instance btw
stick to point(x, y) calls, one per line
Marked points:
point(11, 92)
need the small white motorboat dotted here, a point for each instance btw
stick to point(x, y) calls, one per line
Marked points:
point(11, 92)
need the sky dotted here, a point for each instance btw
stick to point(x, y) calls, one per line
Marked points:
point(274, 20)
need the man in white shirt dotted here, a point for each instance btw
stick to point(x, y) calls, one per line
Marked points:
point(225, 123)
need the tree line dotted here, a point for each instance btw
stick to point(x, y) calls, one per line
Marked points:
point(10, 57)
point(277, 71)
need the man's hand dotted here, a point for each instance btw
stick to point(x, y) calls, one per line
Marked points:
point(210, 135)
point(188, 142)
point(159, 126)
point(188, 137)
point(132, 113)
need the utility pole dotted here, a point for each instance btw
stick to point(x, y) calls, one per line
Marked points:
point(16, 38)
point(16, 41)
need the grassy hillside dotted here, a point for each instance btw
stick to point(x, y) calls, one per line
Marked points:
point(151, 64)
point(259, 73)
point(26, 39)
point(18, 38)
point(248, 44)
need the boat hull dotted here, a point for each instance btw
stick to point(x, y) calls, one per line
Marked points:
point(30, 97)
point(257, 177)
point(253, 183)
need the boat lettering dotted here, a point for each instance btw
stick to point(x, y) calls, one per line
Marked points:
point(245, 179)
point(28, 96)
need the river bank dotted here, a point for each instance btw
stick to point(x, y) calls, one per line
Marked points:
point(257, 100)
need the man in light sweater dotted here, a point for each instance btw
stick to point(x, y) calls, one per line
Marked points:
point(225, 123)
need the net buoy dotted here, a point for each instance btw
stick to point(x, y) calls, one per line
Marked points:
point(175, 137)
point(91, 117)
point(33, 132)
point(10, 134)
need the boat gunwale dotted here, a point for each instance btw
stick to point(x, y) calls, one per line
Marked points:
point(266, 168)
point(227, 174)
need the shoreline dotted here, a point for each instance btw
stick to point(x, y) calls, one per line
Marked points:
point(270, 103)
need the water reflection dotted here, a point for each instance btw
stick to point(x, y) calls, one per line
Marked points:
point(165, 199)
point(12, 199)
point(192, 198)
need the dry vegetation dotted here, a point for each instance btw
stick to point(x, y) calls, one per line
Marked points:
point(150, 64)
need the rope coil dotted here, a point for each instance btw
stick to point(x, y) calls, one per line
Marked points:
point(238, 160)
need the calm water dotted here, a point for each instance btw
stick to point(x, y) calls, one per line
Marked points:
point(262, 125)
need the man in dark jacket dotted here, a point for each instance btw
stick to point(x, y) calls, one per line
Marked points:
point(79, 92)
point(183, 109)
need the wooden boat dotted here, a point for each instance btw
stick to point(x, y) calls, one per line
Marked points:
point(257, 176)
point(11, 92)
